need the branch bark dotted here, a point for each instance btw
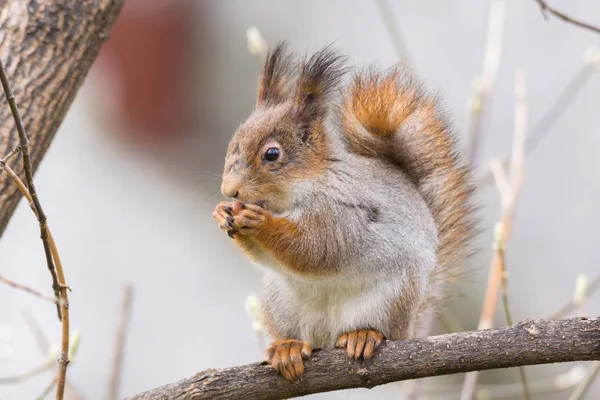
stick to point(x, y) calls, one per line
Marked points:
point(527, 343)
point(48, 47)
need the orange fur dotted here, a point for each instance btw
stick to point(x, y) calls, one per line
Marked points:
point(282, 239)
point(379, 103)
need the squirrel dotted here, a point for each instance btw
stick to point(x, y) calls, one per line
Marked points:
point(353, 201)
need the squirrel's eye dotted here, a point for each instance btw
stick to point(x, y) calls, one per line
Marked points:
point(272, 154)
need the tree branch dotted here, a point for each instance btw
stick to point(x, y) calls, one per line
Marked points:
point(27, 289)
point(119, 350)
point(527, 343)
point(48, 47)
point(546, 8)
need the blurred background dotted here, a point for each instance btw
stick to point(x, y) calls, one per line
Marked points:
point(131, 180)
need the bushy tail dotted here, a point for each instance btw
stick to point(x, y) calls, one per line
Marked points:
point(387, 114)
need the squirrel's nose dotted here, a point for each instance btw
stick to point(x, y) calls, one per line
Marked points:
point(230, 189)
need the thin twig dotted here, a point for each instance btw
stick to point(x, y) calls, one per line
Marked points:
point(555, 384)
point(543, 127)
point(559, 106)
point(25, 153)
point(36, 330)
point(122, 325)
point(546, 8)
point(47, 389)
point(502, 182)
point(44, 346)
point(32, 373)
point(580, 294)
point(26, 289)
point(572, 305)
point(63, 360)
point(499, 249)
point(509, 196)
point(392, 26)
point(450, 322)
point(517, 160)
point(484, 86)
point(10, 155)
point(581, 389)
point(504, 274)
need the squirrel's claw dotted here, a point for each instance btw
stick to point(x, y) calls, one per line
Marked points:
point(287, 357)
point(249, 219)
point(361, 343)
point(246, 220)
point(223, 214)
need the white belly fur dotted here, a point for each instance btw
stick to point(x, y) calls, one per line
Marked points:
point(318, 312)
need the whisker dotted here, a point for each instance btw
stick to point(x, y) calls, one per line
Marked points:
point(213, 193)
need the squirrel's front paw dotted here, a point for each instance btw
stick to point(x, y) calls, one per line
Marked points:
point(223, 214)
point(361, 343)
point(287, 357)
point(249, 219)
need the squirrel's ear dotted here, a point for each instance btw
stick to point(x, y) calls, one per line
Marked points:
point(318, 77)
point(275, 77)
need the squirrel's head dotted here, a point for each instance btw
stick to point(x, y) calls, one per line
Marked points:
point(283, 143)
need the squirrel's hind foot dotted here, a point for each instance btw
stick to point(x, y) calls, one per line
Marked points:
point(360, 343)
point(287, 357)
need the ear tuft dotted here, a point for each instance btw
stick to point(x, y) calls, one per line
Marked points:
point(318, 78)
point(273, 87)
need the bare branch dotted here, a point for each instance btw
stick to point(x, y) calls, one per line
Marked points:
point(501, 180)
point(509, 193)
point(527, 343)
point(47, 389)
point(514, 390)
point(122, 325)
point(32, 373)
point(26, 288)
point(393, 28)
point(38, 333)
point(10, 155)
point(63, 360)
point(550, 117)
point(484, 85)
point(572, 305)
point(35, 201)
point(581, 390)
point(546, 8)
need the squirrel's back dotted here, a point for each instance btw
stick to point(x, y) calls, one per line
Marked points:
point(388, 115)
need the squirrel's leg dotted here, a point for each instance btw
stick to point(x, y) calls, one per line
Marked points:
point(283, 239)
point(404, 312)
point(360, 343)
point(401, 323)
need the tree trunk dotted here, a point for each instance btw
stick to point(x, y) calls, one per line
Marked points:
point(48, 47)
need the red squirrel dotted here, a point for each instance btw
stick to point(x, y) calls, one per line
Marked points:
point(353, 201)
